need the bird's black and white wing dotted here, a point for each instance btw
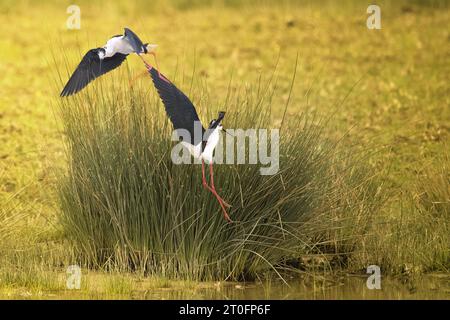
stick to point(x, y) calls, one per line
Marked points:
point(91, 67)
point(178, 107)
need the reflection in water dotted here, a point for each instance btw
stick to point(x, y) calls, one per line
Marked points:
point(308, 287)
point(348, 287)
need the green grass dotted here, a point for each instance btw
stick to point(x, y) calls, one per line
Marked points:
point(399, 105)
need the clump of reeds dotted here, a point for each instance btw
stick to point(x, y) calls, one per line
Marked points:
point(126, 206)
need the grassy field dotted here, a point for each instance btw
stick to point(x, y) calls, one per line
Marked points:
point(386, 90)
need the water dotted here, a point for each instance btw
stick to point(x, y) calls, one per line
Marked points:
point(311, 287)
point(346, 287)
point(308, 287)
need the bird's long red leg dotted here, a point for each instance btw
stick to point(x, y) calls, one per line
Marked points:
point(144, 73)
point(156, 62)
point(219, 199)
point(205, 184)
point(213, 187)
point(147, 65)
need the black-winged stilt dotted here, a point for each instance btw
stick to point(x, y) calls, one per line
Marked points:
point(99, 61)
point(183, 115)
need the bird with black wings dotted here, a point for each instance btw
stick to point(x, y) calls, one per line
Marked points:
point(183, 116)
point(96, 62)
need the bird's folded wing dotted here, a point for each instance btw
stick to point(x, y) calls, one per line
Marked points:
point(178, 107)
point(91, 67)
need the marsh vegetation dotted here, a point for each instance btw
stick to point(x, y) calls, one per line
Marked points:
point(364, 161)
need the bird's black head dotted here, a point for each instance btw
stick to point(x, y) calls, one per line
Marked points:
point(217, 122)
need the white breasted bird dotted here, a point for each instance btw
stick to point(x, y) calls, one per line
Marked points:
point(99, 61)
point(183, 115)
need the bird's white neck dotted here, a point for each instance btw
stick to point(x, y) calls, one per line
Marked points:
point(211, 144)
point(117, 44)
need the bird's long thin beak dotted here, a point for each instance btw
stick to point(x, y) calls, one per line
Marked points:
point(226, 132)
point(151, 48)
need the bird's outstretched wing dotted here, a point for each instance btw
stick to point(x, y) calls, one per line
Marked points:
point(178, 107)
point(91, 67)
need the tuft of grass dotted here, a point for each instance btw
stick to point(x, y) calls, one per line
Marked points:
point(31, 267)
point(411, 236)
point(433, 187)
point(432, 203)
point(10, 215)
point(120, 285)
point(126, 206)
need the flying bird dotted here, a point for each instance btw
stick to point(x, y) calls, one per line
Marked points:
point(183, 115)
point(99, 61)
